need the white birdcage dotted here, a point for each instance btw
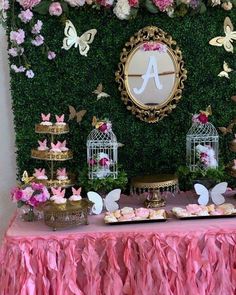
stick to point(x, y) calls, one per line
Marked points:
point(202, 146)
point(102, 150)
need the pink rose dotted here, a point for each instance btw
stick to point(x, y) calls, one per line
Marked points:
point(203, 118)
point(27, 194)
point(55, 9)
point(163, 4)
point(28, 3)
point(133, 3)
point(104, 162)
point(92, 162)
point(103, 127)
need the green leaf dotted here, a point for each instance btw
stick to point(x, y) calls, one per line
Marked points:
point(42, 7)
point(65, 8)
point(203, 8)
point(20, 204)
point(151, 7)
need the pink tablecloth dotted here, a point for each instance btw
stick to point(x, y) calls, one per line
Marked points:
point(196, 257)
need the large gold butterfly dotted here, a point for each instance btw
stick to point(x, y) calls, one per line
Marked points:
point(228, 129)
point(207, 112)
point(226, 41)
point(25, 177)
point(76, 115)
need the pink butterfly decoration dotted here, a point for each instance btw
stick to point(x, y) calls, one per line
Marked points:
point(42, 145)
point(40, 173)
point(45, 117)
point(58, 192)
point(60, 119)
point(63, 146)
point(76, 192)
point(62, 172)
point(55, 147)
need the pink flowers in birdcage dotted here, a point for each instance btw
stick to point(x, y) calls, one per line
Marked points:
point(206, 155)
point(154, 46)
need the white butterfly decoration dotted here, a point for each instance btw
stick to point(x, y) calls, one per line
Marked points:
point(226, 41)
point(215, 194)
point(109, 202)
point(99, 92)
point(226, 71)
point(72, 38)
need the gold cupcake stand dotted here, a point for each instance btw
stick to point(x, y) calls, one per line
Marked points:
point(153, 186)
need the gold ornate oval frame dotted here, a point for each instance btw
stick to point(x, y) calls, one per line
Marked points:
point(151, 114)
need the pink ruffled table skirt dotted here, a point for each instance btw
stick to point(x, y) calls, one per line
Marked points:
point(196, 257)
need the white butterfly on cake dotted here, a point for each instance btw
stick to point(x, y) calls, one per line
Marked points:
point(215, 193)
point(109, 202)
point(73, 39)
point(230, 36)
point(226, 71)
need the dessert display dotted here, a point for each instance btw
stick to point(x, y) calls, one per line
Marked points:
point(200, 211)
point(54, 151)
point(134, 215)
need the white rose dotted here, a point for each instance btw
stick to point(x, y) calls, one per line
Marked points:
point(122, 9)
point(227, 5)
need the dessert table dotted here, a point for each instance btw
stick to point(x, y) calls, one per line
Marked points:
point(179, 257)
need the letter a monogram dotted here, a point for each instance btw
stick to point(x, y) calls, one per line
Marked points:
point(152, 72)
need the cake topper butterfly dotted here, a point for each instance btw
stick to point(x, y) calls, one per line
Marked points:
point(45, 117)
point(40, 173)
point(76, 115)
point(63, 147)
point(226, 41)
point(42, 145)
point(215, 193)
point(57, 193)
point(75, 194)
point(99, 92)
point(60, 119)
point(226, 71)
point(56, 147)
point(109, 202)
point(71, 38)
point(61, 174)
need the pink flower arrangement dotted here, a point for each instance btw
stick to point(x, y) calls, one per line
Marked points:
point(28, 4)
point(51, 55)
point(55, 9)
point(163, 4)
point(154, 46)
point(32, 195)
point(37, 27)
point(104, 126)
point(133, 3)
point(206, 155)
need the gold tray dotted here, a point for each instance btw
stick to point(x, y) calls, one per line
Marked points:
point(53, 129)
point(204, 217)
point(66, 215)
point(55, 182)
point(136, 221)
point(51, 156)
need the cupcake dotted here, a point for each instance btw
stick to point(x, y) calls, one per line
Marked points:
point(75, 197)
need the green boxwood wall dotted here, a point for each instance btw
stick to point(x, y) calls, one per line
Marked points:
point(71, 79)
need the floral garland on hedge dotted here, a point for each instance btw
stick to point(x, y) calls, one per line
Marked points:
point(123, 9)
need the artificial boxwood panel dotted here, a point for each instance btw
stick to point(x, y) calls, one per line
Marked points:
point(71, 78)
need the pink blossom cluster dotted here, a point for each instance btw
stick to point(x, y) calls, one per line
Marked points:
point(25, 16)
point(206, 156)
point(28, 4)
point(5, 5)
point(37, 27)
point(32, 195)
point(154, 46)
point(16, 51)
point(106, 3)
point(163, 4)
point(39, 40)
point(17, 36)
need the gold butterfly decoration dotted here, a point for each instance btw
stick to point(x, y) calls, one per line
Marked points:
point(226, 71)
point(95, 122)
point(230, 36)
point(228, 129)
point(207, 112)
point(99, 92)
point(25, 177)
point(76, 115)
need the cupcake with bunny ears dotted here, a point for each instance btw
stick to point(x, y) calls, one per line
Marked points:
point(75, 197)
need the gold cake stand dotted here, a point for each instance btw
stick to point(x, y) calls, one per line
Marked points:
point(154, 186)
